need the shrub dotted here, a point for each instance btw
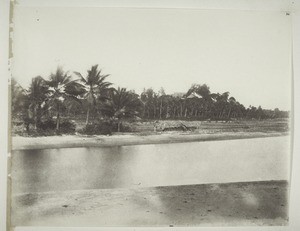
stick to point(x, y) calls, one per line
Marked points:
point(99, 128)
point(123, 127)
point(67, 127)
point(47, 125)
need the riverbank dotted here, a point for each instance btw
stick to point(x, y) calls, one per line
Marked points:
point(72, 141)
point(155, 132)
point(229, 204)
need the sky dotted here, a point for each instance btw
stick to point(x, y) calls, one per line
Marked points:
point(247, 53)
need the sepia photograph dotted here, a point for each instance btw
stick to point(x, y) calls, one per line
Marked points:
point(149, 117)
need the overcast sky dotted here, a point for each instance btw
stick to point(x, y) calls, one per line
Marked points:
point(244, 52)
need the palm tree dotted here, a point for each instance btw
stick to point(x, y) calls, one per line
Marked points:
point(17, 97)
point(221, 104)
point(61, 88)
point(94, 88)
point(149, 98)
point(231, 106)
point(122, 104)
point(161, 97)
point(35, 98)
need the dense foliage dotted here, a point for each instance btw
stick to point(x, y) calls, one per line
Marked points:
point(49, 104)
point(198, 103)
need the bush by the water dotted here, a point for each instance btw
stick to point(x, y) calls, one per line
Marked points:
point(123, 127)
point(99, 128)
point(65, 127)
point(48, 125)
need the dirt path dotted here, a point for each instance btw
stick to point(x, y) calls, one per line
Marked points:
point(230, 204)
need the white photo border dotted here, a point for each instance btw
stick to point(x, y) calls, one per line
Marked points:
point(274, 5)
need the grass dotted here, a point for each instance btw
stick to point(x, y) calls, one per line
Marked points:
point(158, 126)
point(143, 133)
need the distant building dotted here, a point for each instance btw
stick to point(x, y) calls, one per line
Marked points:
point(194, 95)
point(178, 94)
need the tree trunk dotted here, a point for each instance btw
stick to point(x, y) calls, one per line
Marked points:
point(223, 113)
point(57, 118)
point(168, 112)
point(38, 115)
point(228, 116)
point(160, 109)
point(87, 116)
point(57, 121)
point(181, 110)
point(220, 114)
point(27, 127)
point(35, 116)
point(144, 110)
point(119, 125)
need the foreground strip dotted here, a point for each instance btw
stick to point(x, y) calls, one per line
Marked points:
point(229, 204)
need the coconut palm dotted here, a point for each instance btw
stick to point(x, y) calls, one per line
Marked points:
point(94, 88)
point(61, 88)
point(17, 97)
point(34, 100)
point(122, 104)
point(150, 101)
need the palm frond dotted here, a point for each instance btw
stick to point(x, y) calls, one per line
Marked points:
point(81, 78)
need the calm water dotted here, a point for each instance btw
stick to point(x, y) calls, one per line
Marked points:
point(151, 165)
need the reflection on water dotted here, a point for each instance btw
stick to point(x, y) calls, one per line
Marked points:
point(151, 165)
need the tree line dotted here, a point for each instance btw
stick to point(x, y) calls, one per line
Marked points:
point(61, 97)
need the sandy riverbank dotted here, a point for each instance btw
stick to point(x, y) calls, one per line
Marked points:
point(71, 141)
point(229, 204)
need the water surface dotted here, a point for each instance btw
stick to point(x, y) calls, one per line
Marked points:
point(151, 165)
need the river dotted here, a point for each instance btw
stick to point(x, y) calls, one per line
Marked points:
point(242, 160)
